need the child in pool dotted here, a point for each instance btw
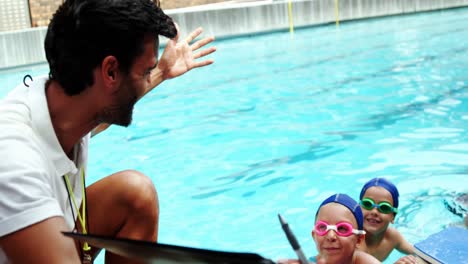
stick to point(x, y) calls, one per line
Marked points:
point(338, 230)
point(379, 203)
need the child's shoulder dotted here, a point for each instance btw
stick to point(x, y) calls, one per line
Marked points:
point(397, 241)
point(361, 257)
point(393, 235)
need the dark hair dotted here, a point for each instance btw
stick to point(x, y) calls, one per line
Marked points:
point(83, 32)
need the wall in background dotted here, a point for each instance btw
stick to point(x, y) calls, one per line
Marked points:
point(42, 11)
point(26, 46)
point(14, 14)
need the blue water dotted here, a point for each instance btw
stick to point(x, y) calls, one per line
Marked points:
point(280, 122)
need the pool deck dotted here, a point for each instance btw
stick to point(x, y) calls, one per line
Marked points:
point(236, 18)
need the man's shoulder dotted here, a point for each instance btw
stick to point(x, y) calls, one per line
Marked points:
point(15, 111)
point(19, 147)
point(16, 127)
point(15, 102)
point(18, 133)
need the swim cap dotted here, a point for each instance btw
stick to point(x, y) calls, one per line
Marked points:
point(384, 183)
point(347, 201)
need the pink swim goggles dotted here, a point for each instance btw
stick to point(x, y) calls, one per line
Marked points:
point(343, 229)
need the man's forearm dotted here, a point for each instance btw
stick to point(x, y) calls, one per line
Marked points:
point(156, 78)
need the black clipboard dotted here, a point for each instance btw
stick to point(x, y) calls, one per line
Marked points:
point(150, 252)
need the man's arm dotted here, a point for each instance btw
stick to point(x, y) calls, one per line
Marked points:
point(40, 243)
point(178, 58)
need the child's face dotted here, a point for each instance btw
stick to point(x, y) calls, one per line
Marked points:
point(334, 248)
point(376, 222)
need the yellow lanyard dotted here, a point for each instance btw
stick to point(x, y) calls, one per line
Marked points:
point(82, 216)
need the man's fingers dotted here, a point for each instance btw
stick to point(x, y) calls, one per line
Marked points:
point(204, 52)
point(193, 35)
point(202, 43)
point(202, 63)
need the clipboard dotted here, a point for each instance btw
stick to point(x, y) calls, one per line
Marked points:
point(151, 252)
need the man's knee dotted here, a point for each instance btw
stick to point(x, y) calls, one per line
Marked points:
point(141, 195)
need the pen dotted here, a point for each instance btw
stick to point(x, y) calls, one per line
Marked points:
point(292, 240)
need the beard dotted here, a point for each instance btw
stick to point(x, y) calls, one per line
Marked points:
point(120, 115)
point(121, 112)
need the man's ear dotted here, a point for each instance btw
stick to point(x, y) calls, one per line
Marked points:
point(110, 72)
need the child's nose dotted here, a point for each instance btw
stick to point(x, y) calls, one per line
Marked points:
point(375, 210)
point(331, 235)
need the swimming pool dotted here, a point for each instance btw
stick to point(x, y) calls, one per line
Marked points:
point(280, 122)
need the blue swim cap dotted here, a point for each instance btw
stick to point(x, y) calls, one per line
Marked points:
point(349, 202)
point(384, 183)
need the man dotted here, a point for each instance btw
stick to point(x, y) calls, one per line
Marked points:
point(102, 56)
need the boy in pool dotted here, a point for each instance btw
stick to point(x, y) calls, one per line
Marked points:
point(337, 232)
point(379, 203)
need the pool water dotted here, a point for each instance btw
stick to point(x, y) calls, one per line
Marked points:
point(281, 121)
